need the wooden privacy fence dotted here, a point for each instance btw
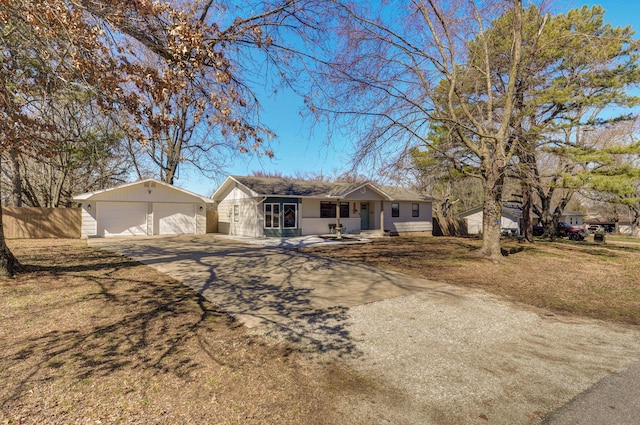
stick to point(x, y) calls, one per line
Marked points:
point(212, 221)
point(41, 223)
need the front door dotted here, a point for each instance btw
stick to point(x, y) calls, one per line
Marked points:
point(364, 216)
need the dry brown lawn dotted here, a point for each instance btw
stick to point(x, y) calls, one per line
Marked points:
point(583, 278)
point(90, 337)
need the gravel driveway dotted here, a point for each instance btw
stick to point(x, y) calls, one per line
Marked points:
point(432, 353)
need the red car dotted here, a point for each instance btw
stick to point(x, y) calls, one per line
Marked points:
point(563, 229)
point(573, 233)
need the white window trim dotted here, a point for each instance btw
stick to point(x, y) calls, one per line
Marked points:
point(295, 208)
point(277, 222)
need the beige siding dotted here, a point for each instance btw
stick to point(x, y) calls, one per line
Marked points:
point(312, 224)
point(406, 223)
point(474, 223)
point(201, 219)
point(366, 195)
point(310, 208)
point(573, 220)
point(89, 222)
point(141, 193)
point(249, 219)
point(508, 223)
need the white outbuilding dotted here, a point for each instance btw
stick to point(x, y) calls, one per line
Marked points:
point(143, 208)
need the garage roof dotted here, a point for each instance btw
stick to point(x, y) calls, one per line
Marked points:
point(147, 183)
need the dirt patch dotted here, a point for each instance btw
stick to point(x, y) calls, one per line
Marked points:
point(587, 279)
point(92, 337)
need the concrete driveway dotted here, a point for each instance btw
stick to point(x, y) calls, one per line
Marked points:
point(438, 354)
point(260, 285)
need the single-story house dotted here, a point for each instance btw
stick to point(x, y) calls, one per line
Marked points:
point(511, 219)
point(573, 218)
point(608, 224)
point(146, 207)
point(283, 207)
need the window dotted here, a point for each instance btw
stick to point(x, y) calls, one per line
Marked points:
point(236, 213)
point(290, 216)
point(395, 210)
point(271, 216)
point(415, 210)
point(328, 210)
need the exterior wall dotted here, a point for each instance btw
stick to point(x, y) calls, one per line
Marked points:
point(249, 220)
point(364, 194)
point(574, 220)
point(625, 229)
point(147, 193)
point(320, 226)
point(405, 223)
point(281, 232)
point(312, 224)
point(510, 223)
point(474, 223)
point(89, 225)
point(201, 219)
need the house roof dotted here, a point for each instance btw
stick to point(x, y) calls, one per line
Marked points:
point(402, 194)
point(511, 211)
point(281, 186)
point(573, 213)
point(515, 211)
point(90, 195)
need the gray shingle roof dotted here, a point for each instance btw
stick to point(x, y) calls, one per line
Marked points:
point(282, 186)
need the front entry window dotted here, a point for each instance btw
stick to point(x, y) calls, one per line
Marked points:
point(290, 216)
point(271, 216)
point(328, 210)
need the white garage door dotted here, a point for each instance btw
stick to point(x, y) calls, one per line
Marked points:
point(174, 219)
point(122, 218)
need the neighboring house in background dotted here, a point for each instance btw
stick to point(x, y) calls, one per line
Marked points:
point(282, 207)
point(146, 207)
point(511, 219)
point(608, 224)
point(572, 218)
point(509, 222)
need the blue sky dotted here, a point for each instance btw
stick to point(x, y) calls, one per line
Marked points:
point(299, 149)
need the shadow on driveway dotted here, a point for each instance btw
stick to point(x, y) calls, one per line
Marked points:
point(305, 297)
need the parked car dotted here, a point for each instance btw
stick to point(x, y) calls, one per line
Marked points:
point(573, 233)
point(563, 229)
point(595, 228)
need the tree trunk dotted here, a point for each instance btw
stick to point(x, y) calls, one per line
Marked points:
point(491, 222)
point(635, 226)
point(526, 224)
point(9, 264)
point(16, 180)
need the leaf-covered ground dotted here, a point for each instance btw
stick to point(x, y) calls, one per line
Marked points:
point(584, 278)
point(91, 337)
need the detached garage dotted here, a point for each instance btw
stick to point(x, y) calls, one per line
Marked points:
point(147, 207)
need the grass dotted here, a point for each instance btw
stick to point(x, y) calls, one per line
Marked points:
point(91, 337)
point(579, 278)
